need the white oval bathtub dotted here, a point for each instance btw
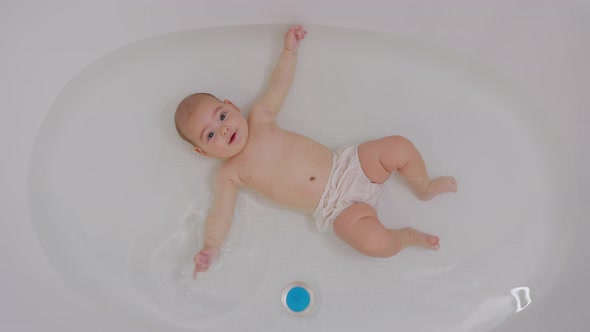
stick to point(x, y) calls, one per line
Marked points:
point(513, 255)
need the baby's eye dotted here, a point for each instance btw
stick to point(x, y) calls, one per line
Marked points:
point(222, 116)
point(210, 136)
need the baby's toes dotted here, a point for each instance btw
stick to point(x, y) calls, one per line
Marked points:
point(433, 242)
point(452, 184)
point(425, 240)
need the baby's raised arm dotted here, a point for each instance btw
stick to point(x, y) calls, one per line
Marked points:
point(219, 219)
point(282, 75)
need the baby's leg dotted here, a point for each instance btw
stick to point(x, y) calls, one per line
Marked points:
point(381, 157)
point(359, 226)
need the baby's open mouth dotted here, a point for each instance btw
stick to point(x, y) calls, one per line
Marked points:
point(233, 137)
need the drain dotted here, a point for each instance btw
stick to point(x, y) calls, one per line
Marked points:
point(298, 299)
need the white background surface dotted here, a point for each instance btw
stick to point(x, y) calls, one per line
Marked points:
point(539, 45)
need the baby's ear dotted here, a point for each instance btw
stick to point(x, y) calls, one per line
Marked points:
point(200, 151)
point(232, 104)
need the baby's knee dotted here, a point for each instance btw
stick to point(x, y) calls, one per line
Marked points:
point(398, 141)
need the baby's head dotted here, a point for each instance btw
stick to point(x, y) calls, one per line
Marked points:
point(215, 128)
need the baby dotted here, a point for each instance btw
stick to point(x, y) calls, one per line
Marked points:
point(338, 189)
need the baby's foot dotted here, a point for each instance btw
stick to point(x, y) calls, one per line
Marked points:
point(443, 184)
point(424, 240)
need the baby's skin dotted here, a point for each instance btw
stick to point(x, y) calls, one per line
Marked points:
point(292, 169)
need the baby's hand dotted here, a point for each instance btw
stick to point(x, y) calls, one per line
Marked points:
point(293, 37)
point(204, 259)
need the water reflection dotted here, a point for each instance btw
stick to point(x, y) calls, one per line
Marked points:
point(522, 296)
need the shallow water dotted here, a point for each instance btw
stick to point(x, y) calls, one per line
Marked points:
point(118, 200)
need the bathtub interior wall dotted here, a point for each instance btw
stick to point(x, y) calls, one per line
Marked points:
point(43, 53)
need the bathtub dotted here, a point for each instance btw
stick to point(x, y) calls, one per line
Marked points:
point(539, 47)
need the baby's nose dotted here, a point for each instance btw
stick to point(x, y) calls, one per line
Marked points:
point(224, 131)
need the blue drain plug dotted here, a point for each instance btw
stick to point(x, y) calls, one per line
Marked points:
point(298, 299)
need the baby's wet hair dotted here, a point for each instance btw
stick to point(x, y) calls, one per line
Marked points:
point(185, 109)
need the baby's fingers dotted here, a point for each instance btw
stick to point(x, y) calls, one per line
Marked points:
point(202, 262)
point(200, 268)
point(300, 35)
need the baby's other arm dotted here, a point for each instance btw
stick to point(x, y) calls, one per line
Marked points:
point(282, 75)
point(219, 219)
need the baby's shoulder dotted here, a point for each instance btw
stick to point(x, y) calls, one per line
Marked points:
point(260, 115)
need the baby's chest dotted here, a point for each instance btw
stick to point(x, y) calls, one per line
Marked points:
point(271, 144)
point(269, 157)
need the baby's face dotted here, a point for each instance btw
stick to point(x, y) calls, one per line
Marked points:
point(218, 128)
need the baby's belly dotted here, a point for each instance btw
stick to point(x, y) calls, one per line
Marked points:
point(298, 183)
point(302, 195)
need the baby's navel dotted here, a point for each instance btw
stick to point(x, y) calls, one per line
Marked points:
point(312, 178)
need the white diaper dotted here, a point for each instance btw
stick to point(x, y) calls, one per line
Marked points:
point(346, 185)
